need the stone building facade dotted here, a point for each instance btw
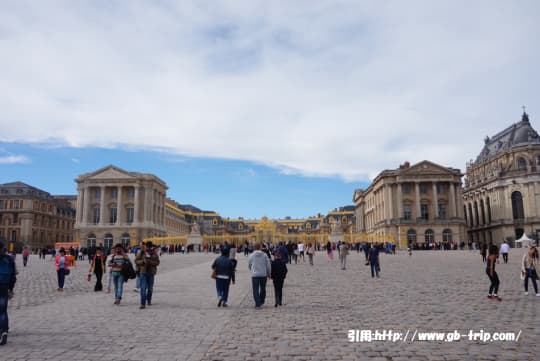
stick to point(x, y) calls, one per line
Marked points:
point(176, 222)
point(412, 204)
point(32, 217)
point(117, 206)
point(502, 186)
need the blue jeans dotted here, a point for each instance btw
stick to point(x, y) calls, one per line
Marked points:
point(118, 280)
point(61, 273)
point(222, 288)
point(138, 282)
point(4, 326)
point(259, 290)
point(374, 269)
point(531, 274)
point(147, 286)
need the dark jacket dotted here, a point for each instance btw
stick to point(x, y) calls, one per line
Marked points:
point(11, 265)
point(279, 270)
point(223, 267)
point(152, 261)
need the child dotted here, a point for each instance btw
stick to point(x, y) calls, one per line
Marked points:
point(278, 273)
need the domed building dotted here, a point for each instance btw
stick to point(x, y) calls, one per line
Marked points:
point(502, 186)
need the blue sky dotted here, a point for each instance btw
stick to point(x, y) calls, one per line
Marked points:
point(306, 97)
point(232, 188)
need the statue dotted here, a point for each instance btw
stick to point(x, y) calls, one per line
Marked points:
point(195, 228)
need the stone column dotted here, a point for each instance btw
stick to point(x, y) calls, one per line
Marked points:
point(79, 205)
point(453, 212)
point(399, 201)
point(136, 204)
point(147, 203)
point(435, 201)
point(102, 206)
point(417, 199)
point(119, 206)
point(86, 197)
point(459, 201)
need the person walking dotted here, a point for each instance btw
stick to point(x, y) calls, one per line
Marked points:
point(505, 248)
point(483, 252)
point(117, 262)
point(329, 252)
point(260, 267)
point(529, 266)
point(310, 252)
point(278, 273)
point(373, 259)
point(343, 250)
point(8, 278)
point(147, 261)
point(98, 268)
point(301, 251)
point(109, 270)
point(493, 277)
point(62, 268)
point(25, 256)
point(223, 268)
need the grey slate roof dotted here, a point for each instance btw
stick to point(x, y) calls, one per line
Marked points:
point(518, 134)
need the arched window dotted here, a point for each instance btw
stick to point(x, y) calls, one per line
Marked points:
point(447, 235)
point(517, 205)
point(125, 240)
point(471, 217)
point(108, 241)
point(91, 240)
point(522, 164)
point(411, 236)
point(482, 211)
point(488, 204)
point(429, 235)
point(476, 219)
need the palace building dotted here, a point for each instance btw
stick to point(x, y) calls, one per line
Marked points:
point(421, 203)
point(117, 206)
point(32, 217)
point(502, 186)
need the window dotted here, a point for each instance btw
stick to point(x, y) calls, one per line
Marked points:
point(476, 219)
point(424, 211)
point(130, 213)
point(517, 205)
point(423, 188)
point(447, 235)
point(16, 204)
point(407, 212)
point(108, 241)
point(411, 236)
point(442, 211)
point(442, 188)
point(1, 204)
point(95, 215)
point(97, 193)
point(482, 211)
point(522, 164)
point(406, 188)
point(112, 215)
point(429, 235)
point(15, 218)
point(131, 193)
point(465, 215)
point(344, 219)
point(471, 217)
point(488, 210)
point(114, 193)
point(125, 240)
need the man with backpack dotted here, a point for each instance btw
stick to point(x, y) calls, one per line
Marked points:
point(7, 282)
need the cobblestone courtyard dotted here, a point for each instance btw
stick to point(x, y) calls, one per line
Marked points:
point(430, 291)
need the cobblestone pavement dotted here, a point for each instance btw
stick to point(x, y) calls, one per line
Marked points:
point(430, 291)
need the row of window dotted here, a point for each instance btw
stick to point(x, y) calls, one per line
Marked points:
point(113, 215)
point(108, 240)
point(429, 236)
point(482, 211)
point(407, 188)
point(112, 192)
point(424, 211)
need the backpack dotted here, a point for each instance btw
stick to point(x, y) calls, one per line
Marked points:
point(6, 270)
point(128, 272)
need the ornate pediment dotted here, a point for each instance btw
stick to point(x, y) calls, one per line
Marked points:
point(427, 168)
point(110, 172)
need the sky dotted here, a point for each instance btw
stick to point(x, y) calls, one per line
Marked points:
point(255, 108)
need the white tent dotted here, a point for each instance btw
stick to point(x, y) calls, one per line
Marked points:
point(524, 241)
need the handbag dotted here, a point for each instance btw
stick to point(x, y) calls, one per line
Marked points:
point(214, 274)
point(67, 272)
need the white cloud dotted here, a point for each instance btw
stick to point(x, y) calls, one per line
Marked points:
point(13, 159)
point(340, 88)
point(75, 160)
